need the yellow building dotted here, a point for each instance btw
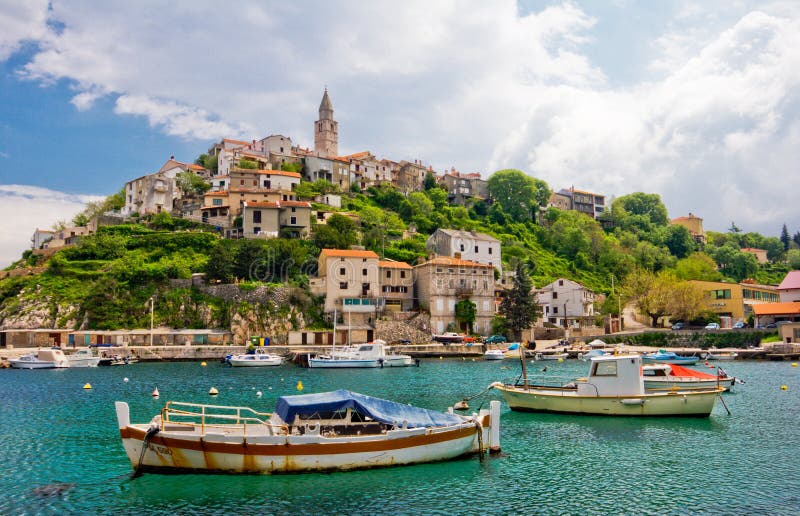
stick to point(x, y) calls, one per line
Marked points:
point(694, 224)
point(736, 300)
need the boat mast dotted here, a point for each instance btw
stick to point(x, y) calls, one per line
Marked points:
point(334, 328)
point(524, 366)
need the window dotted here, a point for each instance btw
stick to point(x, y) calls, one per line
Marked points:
point(216, 202)
point(241, 182)
point(725, 294)
point(267, 184)
point(343, 285)
point(257, 216)
point(293, 221)
point(402, 274)
point(476, 248)
point(461, 247)
point(341, 271)
point(555, 295)
point(490, 250)
point(561, 283)
point(294, 210)
point(256, 230)
point(388, 274)
point(363, 272)
point(555, 309)
point(604, 369)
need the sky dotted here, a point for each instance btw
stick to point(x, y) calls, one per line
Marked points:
point(695, 101)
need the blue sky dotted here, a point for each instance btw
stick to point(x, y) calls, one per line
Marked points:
point(696, 101)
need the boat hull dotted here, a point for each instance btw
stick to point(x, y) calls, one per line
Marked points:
point(668, 383)
point(677, 403)
point(17, 364)
point(678, 361)
point(336, 363)
point(256, 363)
point(84, 362)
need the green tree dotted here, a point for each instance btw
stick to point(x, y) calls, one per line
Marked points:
point(192, 184)
point(697, 266)
point(430, 180)
point(289, 166)
point(249, 259)
point(520, 195)
point(639, 212)
point(785, 240)
point(466, 311)
point(248, 164)
point(338, 233)
point(210, 163)
point(520, 307)
point(219, 266)
point(679, 241)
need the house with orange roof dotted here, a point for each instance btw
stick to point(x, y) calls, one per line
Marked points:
point(396, 285)
point(469, 245)
point(734, 302)
point(767, 313)
point(290, 219)
point(443, 281)
point(350, 281)
point(410, 176)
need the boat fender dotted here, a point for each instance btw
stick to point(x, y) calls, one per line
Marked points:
point(495, 384)
point(632, 401)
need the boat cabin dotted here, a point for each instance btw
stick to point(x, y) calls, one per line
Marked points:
point(613, 375)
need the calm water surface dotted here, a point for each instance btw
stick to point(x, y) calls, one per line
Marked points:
point(61, 454)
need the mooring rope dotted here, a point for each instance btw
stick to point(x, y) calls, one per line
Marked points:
point(153, 430)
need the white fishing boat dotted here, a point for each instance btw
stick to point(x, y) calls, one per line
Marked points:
point(551, 356)
point(371, 354)
point(258, 359)
point(450, 337)
point(338, 430)
point(83, 358)
point(41, 359)
point(673, 376)
point(494, 354)
point(721, 355)
point(615, 387)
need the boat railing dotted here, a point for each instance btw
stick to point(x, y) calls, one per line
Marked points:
point(211, 416)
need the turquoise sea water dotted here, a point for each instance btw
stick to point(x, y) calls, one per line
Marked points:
point(60, 450)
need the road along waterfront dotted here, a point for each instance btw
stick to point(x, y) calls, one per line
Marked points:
point(61, 450)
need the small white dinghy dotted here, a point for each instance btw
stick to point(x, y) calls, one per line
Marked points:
point(41, 359)
point(260, 358)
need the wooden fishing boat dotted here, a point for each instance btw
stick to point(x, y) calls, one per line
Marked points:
point(371, 354)
point(83, 358)
point(337, 430)
point(615, 387)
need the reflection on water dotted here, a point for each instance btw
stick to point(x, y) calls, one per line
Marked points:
point(61, 451)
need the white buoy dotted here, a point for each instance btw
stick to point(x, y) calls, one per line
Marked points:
point(125, 379)
point(213, 391)
point(258, 394)
point(155, 393)
point(269, 388)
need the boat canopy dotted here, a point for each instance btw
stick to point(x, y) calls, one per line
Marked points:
point(384, 411)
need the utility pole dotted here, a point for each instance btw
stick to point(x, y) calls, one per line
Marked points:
point(152, 301)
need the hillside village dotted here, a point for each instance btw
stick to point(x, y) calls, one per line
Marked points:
point(397, 239)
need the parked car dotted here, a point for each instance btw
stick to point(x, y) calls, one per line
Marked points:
point(495, 339)
point(679, 326)
point(771, 326)
point(712, 326)
point(739, 325)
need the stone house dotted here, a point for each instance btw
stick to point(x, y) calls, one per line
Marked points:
point(350, 281)
point(695, 226)
point(567, 303)
point(443, 281)
point(410, 176)
point(789, 289)
point(467, 245)
point(462, 187)
point(270, 219)
point(396, 281)
point(333, 170)
point(40, 236)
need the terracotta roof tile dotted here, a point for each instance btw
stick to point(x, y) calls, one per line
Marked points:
point(446, 260)
point(777, 308)
point(347, 253)
point(393, 265)
point(279, 204)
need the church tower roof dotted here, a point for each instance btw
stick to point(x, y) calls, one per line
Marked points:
point(326, 106)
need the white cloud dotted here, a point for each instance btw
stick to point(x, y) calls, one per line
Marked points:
point(20, 22)
point(478, 86)
point(25, 208)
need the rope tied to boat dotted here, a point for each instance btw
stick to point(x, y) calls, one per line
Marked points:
point(481, 450)
point(153, 430)
point(463, 402)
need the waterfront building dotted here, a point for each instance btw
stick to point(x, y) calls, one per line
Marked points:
point(734, 302)
point(443, 281)
point(466, 245)
point(396, 285)
point(776, 312)
point(350, 281)
point(567, 303)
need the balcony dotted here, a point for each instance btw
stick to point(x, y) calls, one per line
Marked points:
point(464, 291)
point(362, 304)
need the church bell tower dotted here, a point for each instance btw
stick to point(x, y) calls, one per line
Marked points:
point(326, 129)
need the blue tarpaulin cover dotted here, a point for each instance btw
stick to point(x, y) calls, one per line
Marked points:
point(385, 411)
